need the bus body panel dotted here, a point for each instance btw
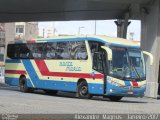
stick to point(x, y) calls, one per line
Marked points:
point(45, 79)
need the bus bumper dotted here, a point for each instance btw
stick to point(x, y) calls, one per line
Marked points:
point(126, 91)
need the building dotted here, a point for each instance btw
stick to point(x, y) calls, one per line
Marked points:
point(15, 31)
point(50, 32)
point(47, 30)
point(7, 33)
point(26, 30)
point(2, 34)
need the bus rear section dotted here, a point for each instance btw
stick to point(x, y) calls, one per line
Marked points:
point(53, 66)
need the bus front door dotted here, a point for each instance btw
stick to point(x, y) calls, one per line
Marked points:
point(100, 65)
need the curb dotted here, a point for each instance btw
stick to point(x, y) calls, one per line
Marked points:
point(3, 85)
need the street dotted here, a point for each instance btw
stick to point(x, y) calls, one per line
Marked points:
point(12, 101)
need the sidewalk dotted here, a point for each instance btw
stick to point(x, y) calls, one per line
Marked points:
point(2, 83)
point(1, 79)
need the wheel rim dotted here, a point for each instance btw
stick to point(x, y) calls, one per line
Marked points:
point(84, 90)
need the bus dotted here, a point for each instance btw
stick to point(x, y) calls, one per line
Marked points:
point(87, 65)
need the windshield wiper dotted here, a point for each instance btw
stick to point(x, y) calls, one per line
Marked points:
point(136, 71)
point(132, 66)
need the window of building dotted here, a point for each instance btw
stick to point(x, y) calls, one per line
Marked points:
point(19, 28)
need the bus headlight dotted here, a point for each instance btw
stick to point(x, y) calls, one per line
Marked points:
point(114, 81)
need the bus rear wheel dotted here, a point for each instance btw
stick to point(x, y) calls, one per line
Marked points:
point(23, 85)
point(115, 98)
point(83, 90)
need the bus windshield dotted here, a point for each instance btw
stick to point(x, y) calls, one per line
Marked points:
point(127, 64)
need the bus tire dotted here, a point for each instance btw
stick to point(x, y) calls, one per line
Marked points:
point(23, 85)
point(115, 98)
point(83, 90)
point(51, 92)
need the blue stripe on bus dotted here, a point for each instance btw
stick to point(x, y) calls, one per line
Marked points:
point(30, 70)
point(45, 84)
point(71, 39)
point(62, 40)
point(94, 88)
point(57, 85)
point(13, 61)
point(12, 81)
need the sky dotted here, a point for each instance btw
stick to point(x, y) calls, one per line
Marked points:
point(103, 27)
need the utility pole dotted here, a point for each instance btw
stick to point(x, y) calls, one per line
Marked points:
point(43, 32)
point(95, 27)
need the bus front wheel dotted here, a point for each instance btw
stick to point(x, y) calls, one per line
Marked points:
point(23, 85)
point(83, 90)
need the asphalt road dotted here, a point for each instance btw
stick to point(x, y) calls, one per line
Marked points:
point(14, 102)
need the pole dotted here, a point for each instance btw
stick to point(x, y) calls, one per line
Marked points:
point(95, 25)
point(43, 32)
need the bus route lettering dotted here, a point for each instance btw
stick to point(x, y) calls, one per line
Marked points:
point(65, 64)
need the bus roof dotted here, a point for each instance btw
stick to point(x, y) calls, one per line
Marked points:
point(102, 38)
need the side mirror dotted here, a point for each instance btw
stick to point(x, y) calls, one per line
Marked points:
point(109, 52)
point(150, 56)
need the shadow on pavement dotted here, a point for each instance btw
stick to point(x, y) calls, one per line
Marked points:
point(68, 95)
point(7, 87)
point(96, 98)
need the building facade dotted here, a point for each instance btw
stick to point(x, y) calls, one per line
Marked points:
point(16, 31)
point(26, 30)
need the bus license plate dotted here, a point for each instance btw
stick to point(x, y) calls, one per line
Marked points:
point(130, 93)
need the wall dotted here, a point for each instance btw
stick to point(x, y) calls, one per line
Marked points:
point(150, 41)
point(31, 30)
point(9, 31)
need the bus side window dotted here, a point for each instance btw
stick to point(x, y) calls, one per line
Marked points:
point(63, 50)
point(16, 51)
point(24, 51)
point(97, 62)
point(95, 46)
point(78, 50)
point(51, 50)
point(37, 50)
point(11, 51)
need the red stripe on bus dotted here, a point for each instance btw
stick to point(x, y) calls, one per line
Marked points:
point(135, 83)
point(15, 71)
point(45, 72)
